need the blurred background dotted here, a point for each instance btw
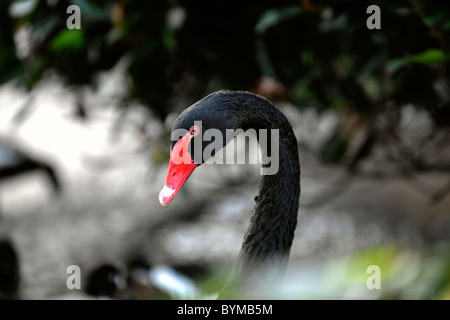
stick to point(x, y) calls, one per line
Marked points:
point(85, 117)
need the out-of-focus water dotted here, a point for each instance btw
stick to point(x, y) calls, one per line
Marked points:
point(109, 209)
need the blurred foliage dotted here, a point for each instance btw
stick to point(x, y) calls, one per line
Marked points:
point(321, 51)
point(313, 53)
point(404, 274)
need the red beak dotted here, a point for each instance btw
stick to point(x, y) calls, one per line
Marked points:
point(181, 167)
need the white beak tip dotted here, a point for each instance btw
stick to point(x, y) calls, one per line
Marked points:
point(161, 201)
point(165, 193)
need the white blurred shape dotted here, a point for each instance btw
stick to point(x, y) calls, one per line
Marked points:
point(175, 284)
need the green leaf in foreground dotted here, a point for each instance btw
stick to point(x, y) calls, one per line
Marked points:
point(68, 39)
point(431, 56)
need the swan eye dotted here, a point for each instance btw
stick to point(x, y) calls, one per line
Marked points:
point(194, 130)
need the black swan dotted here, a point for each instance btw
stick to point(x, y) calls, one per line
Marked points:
point(268, 240)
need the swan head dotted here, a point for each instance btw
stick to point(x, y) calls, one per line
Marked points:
point(204, 128)
point(197, 134)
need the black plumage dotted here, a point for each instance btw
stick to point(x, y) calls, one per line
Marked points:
point(269, 237)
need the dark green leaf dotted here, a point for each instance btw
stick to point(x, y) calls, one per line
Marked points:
point(68, 39)
point(431, 56)
point(274, 16)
